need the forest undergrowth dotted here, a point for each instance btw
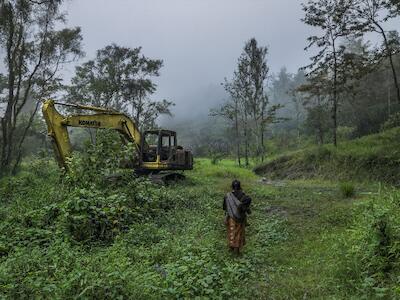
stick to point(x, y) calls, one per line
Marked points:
point(62, 237)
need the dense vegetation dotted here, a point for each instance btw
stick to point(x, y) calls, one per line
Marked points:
point(133, 239)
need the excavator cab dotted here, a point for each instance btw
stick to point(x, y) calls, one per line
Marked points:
point(160, 147)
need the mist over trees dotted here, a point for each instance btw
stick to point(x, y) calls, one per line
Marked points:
point(350, 87)
point(345, 62)
point(348, 90)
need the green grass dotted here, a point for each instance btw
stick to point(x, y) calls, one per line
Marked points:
point(347, 190)
point(170, 241)
point(370, 158)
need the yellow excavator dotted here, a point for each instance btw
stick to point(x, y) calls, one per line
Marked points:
point(158, 152)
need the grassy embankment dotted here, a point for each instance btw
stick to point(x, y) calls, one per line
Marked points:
point(374, 157)
point(135, 240)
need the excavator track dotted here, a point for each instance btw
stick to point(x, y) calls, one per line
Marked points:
point(166, 177)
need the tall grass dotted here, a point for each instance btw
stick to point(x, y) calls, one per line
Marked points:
point(347, 189)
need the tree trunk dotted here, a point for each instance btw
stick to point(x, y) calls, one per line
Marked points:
point(319, 127)
point(335, 96)
point(237, 133)
point(262, 130)
point(6, 121)
point(390, 54)
point(320, 136)
point(19, 155)
point(246, 140)
point(262, 143)
point(334, 118)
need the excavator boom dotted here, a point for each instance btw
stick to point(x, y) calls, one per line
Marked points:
point(152, 159)
point(57, 125)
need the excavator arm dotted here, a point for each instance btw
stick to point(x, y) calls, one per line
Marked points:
point(58, 124)
point(165, 155)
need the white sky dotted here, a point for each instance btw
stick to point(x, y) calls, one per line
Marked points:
point(199, 40)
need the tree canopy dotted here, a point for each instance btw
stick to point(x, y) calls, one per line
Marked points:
point(120, 78)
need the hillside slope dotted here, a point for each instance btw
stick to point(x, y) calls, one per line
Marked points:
point(373, 157)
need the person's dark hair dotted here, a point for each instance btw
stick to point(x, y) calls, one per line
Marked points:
point(236, 185)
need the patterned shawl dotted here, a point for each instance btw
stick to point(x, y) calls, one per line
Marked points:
point(233, 207)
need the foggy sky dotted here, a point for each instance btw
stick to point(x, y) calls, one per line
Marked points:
point(198, 40)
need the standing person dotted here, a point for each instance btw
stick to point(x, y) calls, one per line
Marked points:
point(236, 206)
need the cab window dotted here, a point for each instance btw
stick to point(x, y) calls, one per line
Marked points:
point(166, 141)
point(151, 138)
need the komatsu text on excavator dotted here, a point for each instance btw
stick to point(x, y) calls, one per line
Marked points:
point(157, 149)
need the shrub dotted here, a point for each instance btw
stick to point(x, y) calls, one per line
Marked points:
point(323, 153)
point(369, 254)
point(216, 158)
point(346, 133)
point(8, 188)
point(99, 160)
point(92, 216)
point(347, 190)
point(392, 122)
point(43, 168)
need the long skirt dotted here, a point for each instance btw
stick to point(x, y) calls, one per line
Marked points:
point(236, 233)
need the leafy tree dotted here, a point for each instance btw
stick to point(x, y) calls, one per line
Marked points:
point(230, 112)
point(250, 81)
point(315, 99)
point(283, 91)
point(395, 3)
point(370, 17)
point(355, 64)
point(280, 94)
point(120, 78)
point(34, 51)
point(334, 19)
point(297, 99)
point(253, 72)
point(249, 108)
